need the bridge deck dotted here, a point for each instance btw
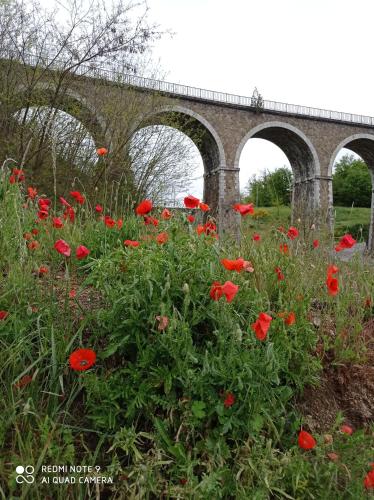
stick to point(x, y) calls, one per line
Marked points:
point(195, 93)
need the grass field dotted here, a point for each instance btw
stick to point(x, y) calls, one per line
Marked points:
point(131, 346)
point(347, 220)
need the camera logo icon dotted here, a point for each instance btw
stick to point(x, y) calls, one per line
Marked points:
point(25, 474)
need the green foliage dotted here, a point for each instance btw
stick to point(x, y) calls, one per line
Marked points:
point(351, 183)
point(271, 189)
point(151, 411)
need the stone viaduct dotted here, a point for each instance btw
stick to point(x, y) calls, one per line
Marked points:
point(220, 124)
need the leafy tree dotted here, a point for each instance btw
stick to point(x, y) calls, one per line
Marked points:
point(271, 189)
point(49, 128)
point(351, 183)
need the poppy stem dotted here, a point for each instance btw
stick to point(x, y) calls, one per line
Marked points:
point(67, 277)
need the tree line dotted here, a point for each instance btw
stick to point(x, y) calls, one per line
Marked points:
point(352, 185)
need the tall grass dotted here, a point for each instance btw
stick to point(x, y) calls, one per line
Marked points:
point(151, 411)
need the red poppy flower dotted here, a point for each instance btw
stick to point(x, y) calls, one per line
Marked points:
point(27, 236)
point(346, 429)
point(190, 218)
point(233, 265)
point(43, 214)
point(369, 480)
point(119, 223)
point(229, 400)
point(32, 192)
point(332, 285)
point(244, 209)
point(229, 290)
point(165, 214)
point(72, 294)
point(35, 231)
point(102, 151)
point(82, 252)
point(23, 381)
point(290, 319)
point(57, 223)
point(44, 203)
point(64, 202)
point(3, 315)
point(279, 273)
point(315, 243)
point(216, 290)
point(69, 214)
point(346, 241)
point(78, 197)
point(131, 243)
point(283, 247)
point(19, 173)
point(262, 325)
point(368, 302)
point(150, 220)
point(18, 176)
point(204, 207)
point(109, 222)
point(332, 269)
point(306, 441)
point(191, 202)
point(99, 209)
point(144, 207)
point(333, 456)
point(42, 270)
point(256, 237)
point(183, 481)
point(281, 229)
point(63, 248)
point(33, 245)
point(162, 238)
point(292, 233)
point(82, 359)
point(210, 227)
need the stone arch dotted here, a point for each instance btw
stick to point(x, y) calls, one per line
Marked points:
point(211, 140)
point(303, 158)
point(206, 139)
point(80, 109)
point(71, 103)
point(363, 145)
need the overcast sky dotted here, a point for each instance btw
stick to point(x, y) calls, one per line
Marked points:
point(317, 53)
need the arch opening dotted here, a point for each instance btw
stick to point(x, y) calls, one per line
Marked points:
point(301, 157)
point(49, 136)
point(205, 139)
point(166, 164)
point(362, 182)
point(258, 162)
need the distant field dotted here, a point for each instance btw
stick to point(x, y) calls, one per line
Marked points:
point(347, 219)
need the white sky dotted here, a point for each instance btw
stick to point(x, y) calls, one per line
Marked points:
point(317, 53)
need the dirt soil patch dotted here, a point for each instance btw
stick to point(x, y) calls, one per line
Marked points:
point(348, 389)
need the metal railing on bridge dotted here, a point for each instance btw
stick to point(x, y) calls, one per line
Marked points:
point(177, 89)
